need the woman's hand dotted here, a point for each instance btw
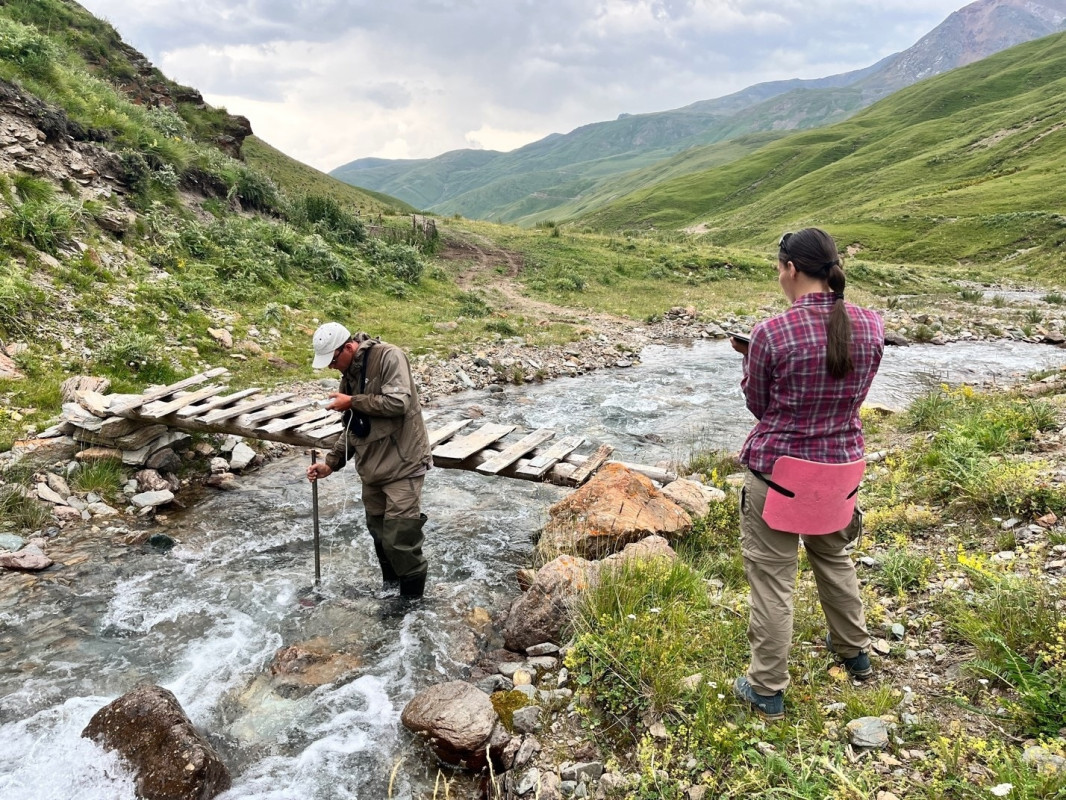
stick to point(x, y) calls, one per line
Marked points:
point(319, 470)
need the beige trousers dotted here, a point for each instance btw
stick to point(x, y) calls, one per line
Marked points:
point(770, 563)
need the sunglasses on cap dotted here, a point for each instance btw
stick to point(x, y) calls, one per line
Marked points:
point(782, 243)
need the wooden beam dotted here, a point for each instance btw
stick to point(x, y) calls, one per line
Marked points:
point(515, 451)
point(280, 411)
point(465, 446)
point(219, 402)
point(155, 394)
point(278, 425)
point(539, 465)
point(161, 409)
point(222, 414)
point(592, 463)
point(447, 432)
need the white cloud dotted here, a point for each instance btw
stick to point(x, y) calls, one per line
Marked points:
point(329, 81)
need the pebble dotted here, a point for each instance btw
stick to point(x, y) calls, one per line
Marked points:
point(869, 732)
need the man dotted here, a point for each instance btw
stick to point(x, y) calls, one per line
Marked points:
point(387, 437)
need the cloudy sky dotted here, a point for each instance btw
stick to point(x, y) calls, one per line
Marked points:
point(329, 81)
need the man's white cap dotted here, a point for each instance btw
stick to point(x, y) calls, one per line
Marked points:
point(326, 340)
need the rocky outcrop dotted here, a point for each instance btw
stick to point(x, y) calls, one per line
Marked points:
point(542, 613)
point(459, 722)
point(616, 507)
point(171, 759)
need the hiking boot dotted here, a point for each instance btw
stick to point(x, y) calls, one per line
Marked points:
point(771, 707)
point(858, 667)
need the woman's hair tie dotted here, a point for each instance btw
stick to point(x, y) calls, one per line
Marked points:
point(838, 296)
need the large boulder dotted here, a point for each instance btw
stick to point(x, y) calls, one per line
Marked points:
point(542, 612)
point(693, 496)
point(459, 722)
point(616, 507)
point(171, 759)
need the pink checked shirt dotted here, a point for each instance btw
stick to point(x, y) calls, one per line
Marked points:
point(802, 411)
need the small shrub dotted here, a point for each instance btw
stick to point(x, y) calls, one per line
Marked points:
point(473, 305)
point(903, 571)
point(971, 295)
point(1055, 299)
point(501, 326)
point(1033, 317)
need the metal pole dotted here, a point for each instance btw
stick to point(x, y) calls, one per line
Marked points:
point(314, 510)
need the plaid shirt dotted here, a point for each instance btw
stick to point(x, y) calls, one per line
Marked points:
point(802, 411)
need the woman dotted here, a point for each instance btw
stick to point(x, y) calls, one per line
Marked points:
point(806, 374)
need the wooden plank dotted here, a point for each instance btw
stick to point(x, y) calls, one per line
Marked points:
point(280, 411)
point(447, 432)
point(322, 433)
point(200, 409)
point(592, 463)
point(465, 446)
point(539, 465)
point(160, 408)
point(163, 391)
point(515, 451)
point(278, 425)
point(328, 419)
point(222, 414)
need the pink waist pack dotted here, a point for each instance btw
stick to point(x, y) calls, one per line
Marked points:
point(809, 498)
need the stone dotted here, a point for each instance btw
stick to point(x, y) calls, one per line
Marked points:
point(586, 771)
point(458, 720)
point(83, 383)
point(869, 732)
point(241, 457)
point(164, 460)
point(149, 480)
point(692, 682)
point(219, 465)
point(616, 507)
point(152, 499)
point(99, 454)
point(526, 751)
point(170, 758)
point(693, 496)
point(299, 669)
point(49, 495)
point(542, 649)
point(526, 719)
point(11, 542)
point(101, 509)
point(58, 484)
point(29, 559)
point(222, 336)
point(540, 614)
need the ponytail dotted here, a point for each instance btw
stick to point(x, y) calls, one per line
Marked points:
point(814, 253)
point(838, 329)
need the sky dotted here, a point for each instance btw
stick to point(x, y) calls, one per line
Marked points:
point(330, 81)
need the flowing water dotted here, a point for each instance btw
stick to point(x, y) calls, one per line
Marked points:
point(206, 618)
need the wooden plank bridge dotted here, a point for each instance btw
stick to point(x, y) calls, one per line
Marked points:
point(134, 426)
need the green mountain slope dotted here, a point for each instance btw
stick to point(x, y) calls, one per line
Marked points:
point(548, 178)
point(964, 165)
point(298, 178)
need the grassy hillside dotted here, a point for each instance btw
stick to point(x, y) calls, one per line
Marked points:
point(298, 178)
point(962, 166)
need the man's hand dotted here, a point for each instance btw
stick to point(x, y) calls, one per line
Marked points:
point(319, 470)
point(739, 346)
point(339, 402)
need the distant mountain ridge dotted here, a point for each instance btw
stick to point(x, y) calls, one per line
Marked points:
point(557, 172)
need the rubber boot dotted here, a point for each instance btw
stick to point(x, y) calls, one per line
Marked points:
point(402, 540)
point(389, 579)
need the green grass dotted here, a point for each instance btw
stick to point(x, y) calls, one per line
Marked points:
point(104, 477)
